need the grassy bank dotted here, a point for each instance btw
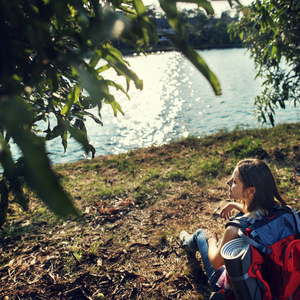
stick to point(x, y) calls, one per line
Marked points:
point(134, 206)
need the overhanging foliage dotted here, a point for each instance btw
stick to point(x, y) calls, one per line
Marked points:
point(46, 76)
point(271, 31)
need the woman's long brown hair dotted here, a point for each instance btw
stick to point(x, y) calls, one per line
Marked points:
point(256, 173)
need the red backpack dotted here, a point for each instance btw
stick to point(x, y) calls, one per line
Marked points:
point(275, 255)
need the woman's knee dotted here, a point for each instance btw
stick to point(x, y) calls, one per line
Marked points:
point(200, 233)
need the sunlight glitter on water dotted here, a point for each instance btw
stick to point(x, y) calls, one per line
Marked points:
point(150, 115)
point(176, 101)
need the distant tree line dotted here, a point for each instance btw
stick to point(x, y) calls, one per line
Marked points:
point(201, 30)
point(210, 32)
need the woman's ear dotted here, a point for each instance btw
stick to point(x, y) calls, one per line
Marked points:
point(252, 190)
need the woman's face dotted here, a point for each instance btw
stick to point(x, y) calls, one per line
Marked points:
point(236, 186)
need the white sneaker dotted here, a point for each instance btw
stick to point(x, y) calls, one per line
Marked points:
point(191, 255)
point(182, 236)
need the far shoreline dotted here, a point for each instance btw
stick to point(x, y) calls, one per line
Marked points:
point(156, 49)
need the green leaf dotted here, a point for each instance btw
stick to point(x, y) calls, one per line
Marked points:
point(115, 59)
point(92, 116)
point(266, 53)
point(237, 1)
point(126, 8)
point(170, 8)
point(206, 5)
point(52, 78)
point(274, 51)
point(241, 35)
point(118, 87)
point(39, 174)
point(55, 132)
point(144, 22)
point(139, 7)
point(115, 106)
point(103, 68)
point(3, 201)
point(93, 83)
point(10, 172)
point(95, 59)
point(64, 139)
point(71, 99)
point(271, 22)
point(80, 137)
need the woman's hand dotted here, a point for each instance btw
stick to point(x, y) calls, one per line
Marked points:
point(214, 251)
point(211, 237)
point(226, 210)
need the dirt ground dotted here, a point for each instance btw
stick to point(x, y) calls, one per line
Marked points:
point(138, 254)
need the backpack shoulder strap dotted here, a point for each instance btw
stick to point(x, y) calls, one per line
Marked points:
point(261, 225)
point(296, 218)
point(256, 245)
point(240, 221)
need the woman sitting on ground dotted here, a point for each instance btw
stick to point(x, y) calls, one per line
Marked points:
point(253, 184)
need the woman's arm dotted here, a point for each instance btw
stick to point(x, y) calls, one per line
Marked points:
point(226, 210)
point(214, 252)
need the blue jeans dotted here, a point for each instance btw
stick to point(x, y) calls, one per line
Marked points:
point(198, 242)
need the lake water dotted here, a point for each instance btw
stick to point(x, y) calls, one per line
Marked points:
point(176, 102)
